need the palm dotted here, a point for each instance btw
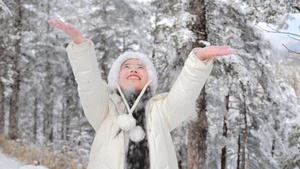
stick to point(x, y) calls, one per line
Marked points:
point(213, 51)
point(68, 29)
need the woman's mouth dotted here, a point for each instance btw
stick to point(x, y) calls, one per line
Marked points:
point(133, 77)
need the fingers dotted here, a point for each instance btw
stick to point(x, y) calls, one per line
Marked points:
point(220, 50)
point(57, 24)
point(60, 24)
point(218, 47)
point(65, 27)
point(223, 52)
point(214, 51)
point(51, 22)
point(68, 29)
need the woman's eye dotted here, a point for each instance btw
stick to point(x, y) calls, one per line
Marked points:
point(141, 67)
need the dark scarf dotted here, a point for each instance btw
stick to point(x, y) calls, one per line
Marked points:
point(138, 153)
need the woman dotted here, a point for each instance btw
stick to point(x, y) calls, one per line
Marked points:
point(133, 124)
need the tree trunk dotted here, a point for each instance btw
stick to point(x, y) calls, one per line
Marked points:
point(274, 141)
point(13, 114)
point(239, 152)
point(225, 129)
point(196, 150)
point(244, 135)
point(198, 26)
point(273, 147)
point(224, 150)
point(66, 117)
point(2, 70)
point(1, 105)
point(35, 119)
point(197, 137)
point(48, 110)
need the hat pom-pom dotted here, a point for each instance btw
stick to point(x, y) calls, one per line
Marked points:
point(126, 122)
point(137, 134)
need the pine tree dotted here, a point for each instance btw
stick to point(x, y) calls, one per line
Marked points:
point(254, 115)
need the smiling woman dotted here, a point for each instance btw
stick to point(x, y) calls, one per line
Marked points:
point(132, 122)
point(133, 76)
point(133, 64)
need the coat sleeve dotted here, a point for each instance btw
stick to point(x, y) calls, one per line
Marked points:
point(93, 91)
point(180, 104)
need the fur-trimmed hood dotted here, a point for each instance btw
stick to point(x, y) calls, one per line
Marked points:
point(113, 75)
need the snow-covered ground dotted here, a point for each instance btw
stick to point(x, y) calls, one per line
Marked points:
point(33, 167)
point(11, 163)
point(8, 163)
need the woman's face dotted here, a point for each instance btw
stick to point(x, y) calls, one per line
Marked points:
point(133, 76)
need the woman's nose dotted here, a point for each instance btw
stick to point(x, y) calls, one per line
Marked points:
point(133, 71)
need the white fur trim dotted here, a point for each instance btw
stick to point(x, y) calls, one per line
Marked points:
point(126, 122)
point(136, 134)
point(113, 75)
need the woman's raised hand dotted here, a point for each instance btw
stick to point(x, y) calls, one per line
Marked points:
point(213, 51)
point(68, 29)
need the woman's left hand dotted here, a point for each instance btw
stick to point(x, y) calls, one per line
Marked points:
point(213, 51)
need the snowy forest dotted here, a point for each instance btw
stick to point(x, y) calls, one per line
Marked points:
point(248, 111)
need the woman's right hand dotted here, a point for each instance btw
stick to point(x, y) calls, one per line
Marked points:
point(68, 29)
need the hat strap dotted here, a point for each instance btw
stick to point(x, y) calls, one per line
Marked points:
point(130, 111)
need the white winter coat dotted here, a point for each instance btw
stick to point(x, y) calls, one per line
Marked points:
point(164, 112)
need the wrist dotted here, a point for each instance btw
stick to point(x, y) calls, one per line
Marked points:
point(78, 40)
point(199, 55)
point(202, 59)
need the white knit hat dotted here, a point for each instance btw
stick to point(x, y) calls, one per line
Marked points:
point(113, 75)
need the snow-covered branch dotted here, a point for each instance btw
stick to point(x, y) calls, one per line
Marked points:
point(5, 8)
point(290, 51)
point(276, 31)
point(287, 33)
